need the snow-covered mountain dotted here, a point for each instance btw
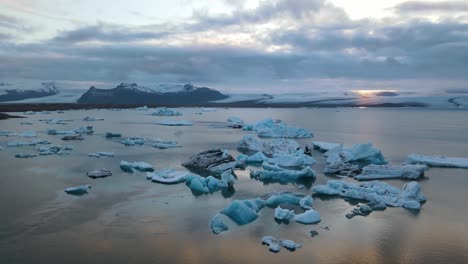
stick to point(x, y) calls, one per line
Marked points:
point(131, 93)
point(12, 92)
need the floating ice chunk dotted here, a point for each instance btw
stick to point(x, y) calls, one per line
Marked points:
point(275, 146)
point(88, 118)
point(376, 192)
point(168, 176)
point(256, 158)
point(101, 154)
point(135, 166)
point(277, 199)
point(261, 125)
point(84, 130)
point(165, 144)
point(270, 128)
point(101, 173)
point(308, 217)
point(133, 141)
point(437, 161)
point(24, 155)
point(235, 122)
point(28, 134)
point(142, 108)
point(73, 137)
point(213, 160)
point(174, 123)
point(208, 109)
point(60, 132)
point(55, 121)
point(283, 214)
point(112, 135)
point(198, 185)
point(306, 202)
point(26, 123)
point(297, 159)
point(275, 244)
point(209, 184)
point(78, 190)
point(361, 209)
point(4, 133)
point(376, 172)
point(274, 173)
point(164, 111)
point(217, 225)
point(324, 146)
point(18, 143)
point(240, 213)
point(53, 149)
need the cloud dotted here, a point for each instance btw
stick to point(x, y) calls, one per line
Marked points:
point(11, 23)
point(425, 6)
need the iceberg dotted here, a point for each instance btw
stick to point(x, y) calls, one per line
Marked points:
point(205, 185)
point(306, 202)
point(285, 197)
point(242, 212)
point(73, 137)
point(113, 135)
point(88, 118)
point(256, 158)
point(275, 146)
point(168, 176)
point(275, 245)
point(378, 193)
point(235, 122)
point(174, 123)
point(324, 146)
point(297, 159)
point(60, 132)
point(377, 172)
point(274, 173)
point(133, 141)
point(308, 217)
point(213, 160)
point(101, 173)
point(135, 166)
point(217, 225)
point(78, 190)
point(437, 161)
point(28, 134)
point(4, 133)
point(360, 209)
point(164, 111)
point(142, 108)
point(283, 214)
point(269, 128)
point(53, 149)
point(25, 155)
point(18, 143)
point(84, 130)
point(56, 121)
point(165, 144)
point(101, 154)
point(26, 123)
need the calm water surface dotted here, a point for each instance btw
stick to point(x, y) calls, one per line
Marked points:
point(127, 219)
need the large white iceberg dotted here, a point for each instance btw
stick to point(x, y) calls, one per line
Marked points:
point(174, 123)
point(377, 172)
point(269, 128)
point(243, 211)
point(168, 176)
point(135, 166)
point(275, 146)
point(437, 161)
point(377, 193)
point(164, 111)
point(275, 173)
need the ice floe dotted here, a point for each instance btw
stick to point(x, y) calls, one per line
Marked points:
point(274, 245)
point(244, 211)
point(164, 111)
point(100, 173)
point(276, 146)
point(377, 172)
point(437, 161)
point(133, 141)
point(28, 134)
point(235, 122)
point(135, 166)
point(217, 224)
point(78, 190)
point(379, 194)
point(167, 176)
point(213, 160)
point(101, 154)
point(269, 128)
point(275, 173)
point(25, 155)
point(283, 214)
point(165, 144)
point(45, 150)
point(174, 123)
point(308, 217)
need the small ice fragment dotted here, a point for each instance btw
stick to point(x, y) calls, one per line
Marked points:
point(112, 135)
point(24, 155)
point(135, 166)
point(217, 225)
point(174, 123)
point(308, 217)
point(78, 190)
point(283, 214)
point(101, 173)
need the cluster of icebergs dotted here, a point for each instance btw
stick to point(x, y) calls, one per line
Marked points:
point(269, 128)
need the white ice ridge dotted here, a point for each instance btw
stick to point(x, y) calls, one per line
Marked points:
point(135, 166)
point(244, 211)
point(275, 244)
point(101, 154)
point(167, 176)
point(269, 128)
point(379, 194)
point(377, 172)
point(275, 146)
point(205, 185)
point(174, 123)
point(78, 190)
point(275, 173)
point(437, 161)
point(164, 111)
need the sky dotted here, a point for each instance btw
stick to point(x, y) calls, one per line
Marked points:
point(239, 46)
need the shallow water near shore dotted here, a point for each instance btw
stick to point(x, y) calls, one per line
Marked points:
point(128, 219)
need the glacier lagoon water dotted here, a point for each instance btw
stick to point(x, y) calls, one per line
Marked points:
point(128, 219)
